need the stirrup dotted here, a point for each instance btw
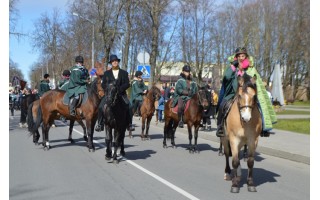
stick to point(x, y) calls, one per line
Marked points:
point(72, 113)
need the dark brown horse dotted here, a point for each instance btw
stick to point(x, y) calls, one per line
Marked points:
point(242, 126)
point(51, 106)
point(147, 109)
point(33, 130)
point(192, 117)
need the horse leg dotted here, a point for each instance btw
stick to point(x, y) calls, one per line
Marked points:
point(250, 163)
point(245, 153)
point(85, 136)
point(220, 148)
point(143, 127)
point(196, 139)
point(122, 152)
point(108, 140)
point(236, 171)
point(165, 134)
point(190, 147)
point(45, 136)
point(116, 145)
point(173, 131)
point(90, 128)
point(70, 131)
point(147, 128)
point(226, 147)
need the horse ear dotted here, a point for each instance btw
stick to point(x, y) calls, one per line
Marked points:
point(254, 79)
point(240, 81)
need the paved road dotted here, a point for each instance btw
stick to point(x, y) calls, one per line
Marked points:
point(69, 171)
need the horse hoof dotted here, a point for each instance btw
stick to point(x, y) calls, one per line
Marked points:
point(71, 140)
point(165, 146)
point(227, 177)
point(221, 154)
point(107, 158)
point(85, 138)
point(234, 190)
point(46, 148)
point(123, 153)
point(252, 189)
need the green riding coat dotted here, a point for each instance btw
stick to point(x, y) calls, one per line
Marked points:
point(181, 85)
point(43, 87)
point(78, 81)
point(137, 88)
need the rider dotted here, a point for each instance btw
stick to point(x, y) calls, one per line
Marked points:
point(44, 85)
point(242, 63)
point(63, 83)
point(77, 84)
point(184, 89)
point(122, 80)
point(138, 89)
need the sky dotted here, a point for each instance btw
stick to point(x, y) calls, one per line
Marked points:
point(30, 11)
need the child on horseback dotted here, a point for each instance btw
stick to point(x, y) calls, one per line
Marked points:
point(184, 90)
point(77, 83)
point(242, 63)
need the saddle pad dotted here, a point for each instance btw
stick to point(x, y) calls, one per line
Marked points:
point(175, 109)
point(66, 99)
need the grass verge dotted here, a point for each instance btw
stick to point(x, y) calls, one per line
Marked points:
point(294, 125)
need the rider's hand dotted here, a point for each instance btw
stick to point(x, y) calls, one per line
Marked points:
point(235, 63)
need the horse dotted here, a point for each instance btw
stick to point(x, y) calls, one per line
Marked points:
point(242, 126)
point(33, 114)
point(116, 118)
point(51, 103)
point(192, 117)
point(147, 109)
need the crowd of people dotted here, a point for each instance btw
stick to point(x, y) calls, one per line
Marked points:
point(74, 81)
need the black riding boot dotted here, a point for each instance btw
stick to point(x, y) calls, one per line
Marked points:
point(72, 106)
point(219, 132)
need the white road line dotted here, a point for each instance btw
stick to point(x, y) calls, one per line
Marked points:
point(167, 183)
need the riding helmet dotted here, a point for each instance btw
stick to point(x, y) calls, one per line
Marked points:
point(66, 73)
point(79, 59)
point(138, 73)
point(186, 68)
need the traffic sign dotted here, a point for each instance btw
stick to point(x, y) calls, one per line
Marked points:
point(145, 69)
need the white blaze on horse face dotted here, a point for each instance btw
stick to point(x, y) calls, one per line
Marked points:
point(246, 111)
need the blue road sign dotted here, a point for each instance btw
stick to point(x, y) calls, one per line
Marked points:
point(145, 69)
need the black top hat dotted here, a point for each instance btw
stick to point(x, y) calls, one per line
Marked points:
point(113, 58)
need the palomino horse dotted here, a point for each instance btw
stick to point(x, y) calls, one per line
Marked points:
point(147, 109)
point(33, 115)
point(117, 118)
point(242, 126)
point(192, 117)
point(51, 103)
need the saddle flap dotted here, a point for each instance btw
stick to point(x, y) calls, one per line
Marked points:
point(66, 99)
point(175, 109)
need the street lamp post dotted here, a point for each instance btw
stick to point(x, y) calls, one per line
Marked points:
point(92, 50)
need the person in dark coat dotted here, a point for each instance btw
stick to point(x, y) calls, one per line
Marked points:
point(77, 83)
point(63, 83)
point(44, 85)
point(138, 89)
point(184, 90)
point(122, 80)
point(166, 89)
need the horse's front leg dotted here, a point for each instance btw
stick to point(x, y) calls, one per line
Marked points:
point(147, 128)
point(45, 136)
point(196, 129)
point(90, 129)
point(143, 127)
point(236, 171)
point(227, 169)
point(70, 131)
point(250, 163)
point(108, 140)
point(85, 136)
point(116, 146)
point(165, 134)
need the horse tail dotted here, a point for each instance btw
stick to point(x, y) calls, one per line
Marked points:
point(30, 118)
point(39, 119)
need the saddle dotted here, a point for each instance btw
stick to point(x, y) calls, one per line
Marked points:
point(186, 106)
point(82, 100)
point(226, 109)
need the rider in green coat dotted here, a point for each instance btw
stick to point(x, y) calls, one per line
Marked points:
point(184, 90)
point(138, 89)
point(63, 83)
point(44, 85)
point(77, 83)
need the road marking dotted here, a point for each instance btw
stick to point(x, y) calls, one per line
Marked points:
point(167, 183)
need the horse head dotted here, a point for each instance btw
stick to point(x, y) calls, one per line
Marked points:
point(96, 86)
point(203, 98)
point(112, 93)
point(247, 96)
point(156, 93)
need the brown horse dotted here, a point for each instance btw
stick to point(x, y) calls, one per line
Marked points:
point(242, 126)
point(192, 117)
point(51, 105)
point(147, 109)
point(33, 130)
